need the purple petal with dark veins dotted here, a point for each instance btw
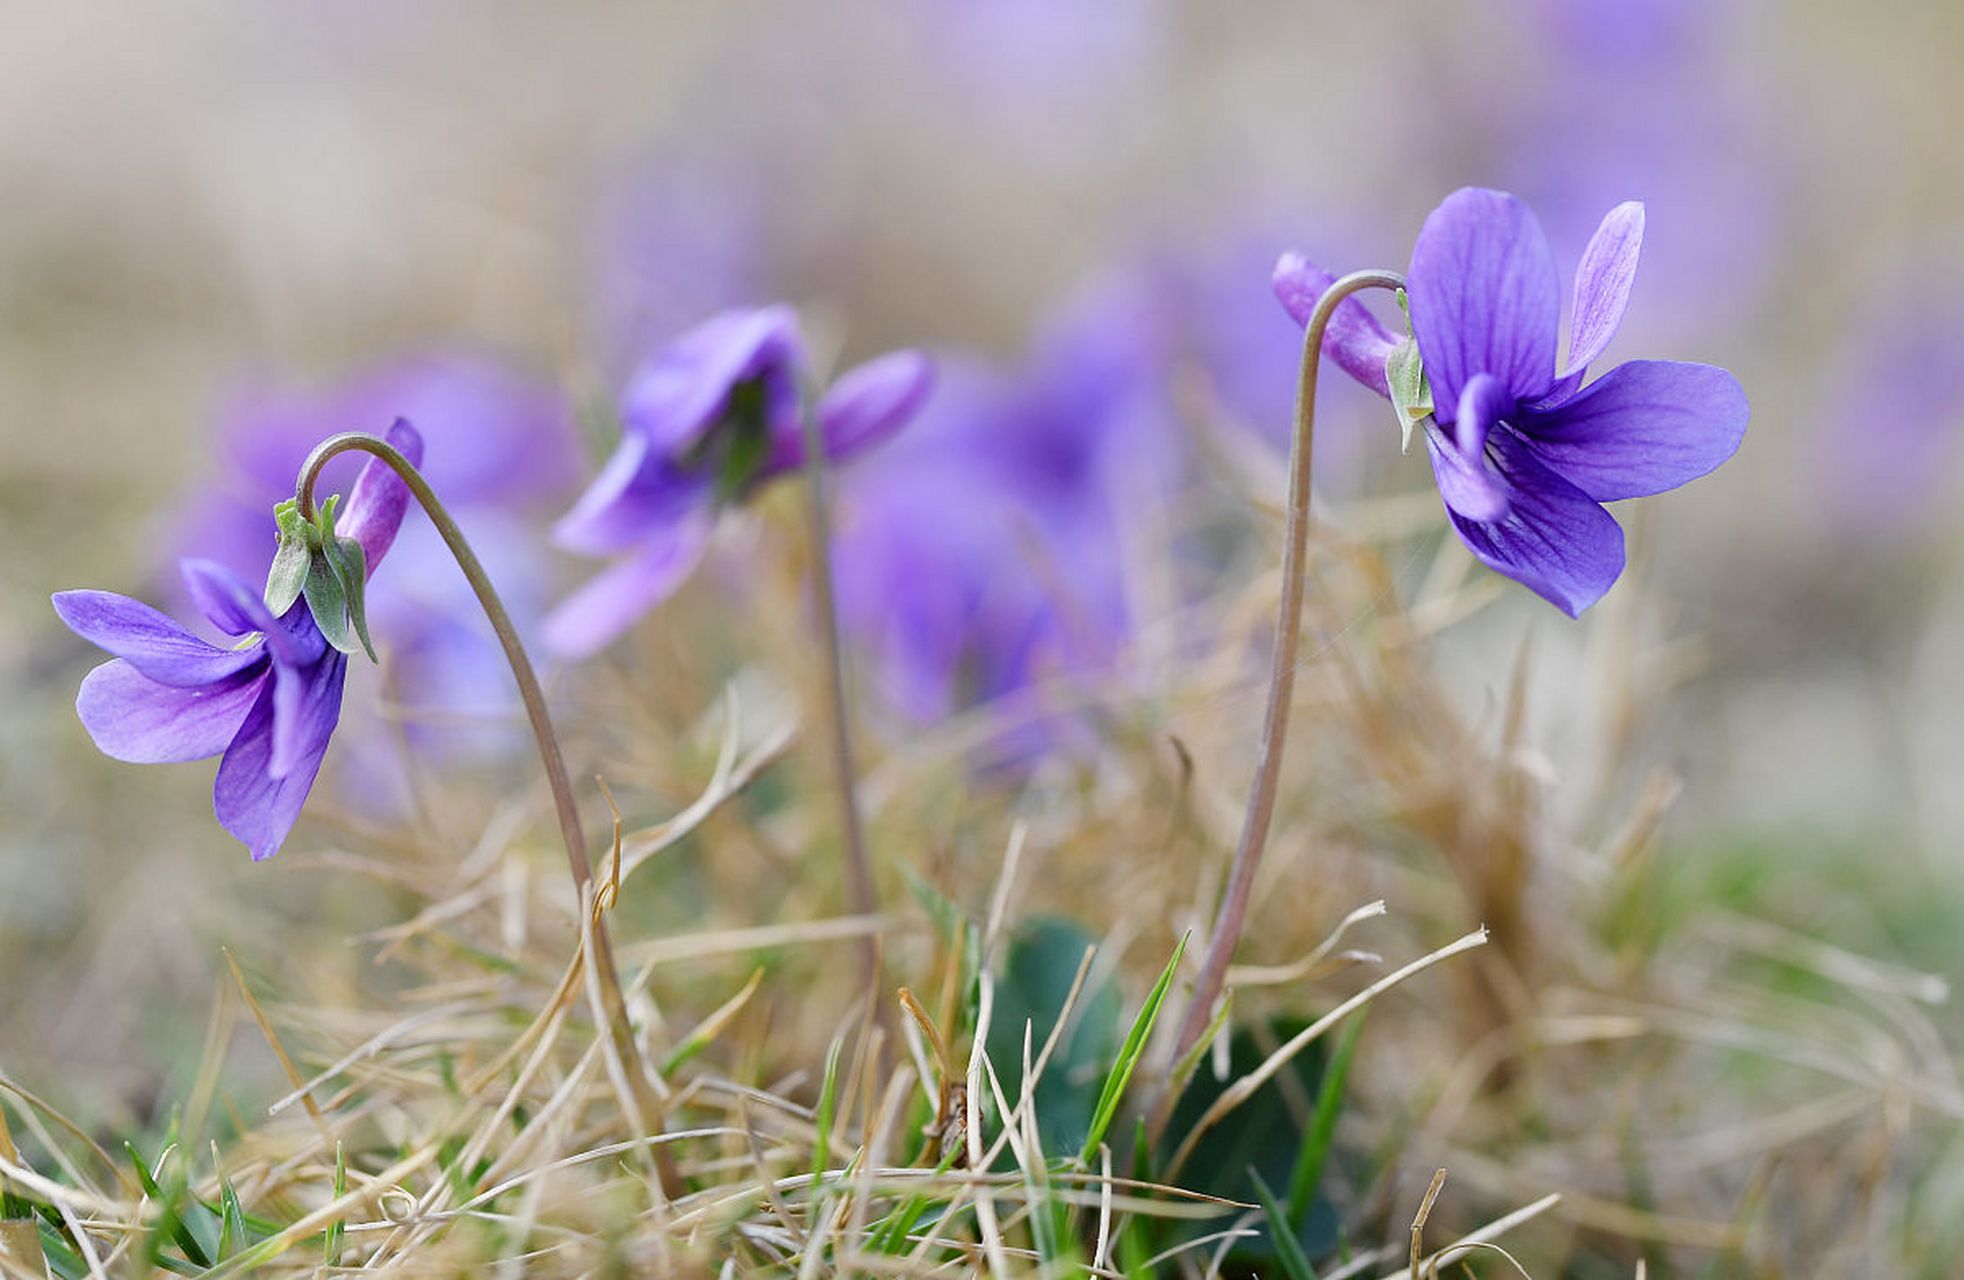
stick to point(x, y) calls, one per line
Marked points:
point(1484, 296)
point(1555, 540)
point(251, 803)
point(1355, 339)
point(151, 642)
point(1459, 452)
point(238, 609)
point(306, 707)
point(1642, 428)
point(1602, 283)
point(379, 498)
point(135, 719)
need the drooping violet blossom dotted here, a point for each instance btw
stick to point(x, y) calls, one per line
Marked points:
point(711, 419)
point(983, 555)
point(1246, 354)
point(267, 706)
point(1525, 458)
point(501, 446)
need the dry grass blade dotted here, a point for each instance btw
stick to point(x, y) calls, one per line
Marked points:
point(1240, 1091)
point(1478, 1238)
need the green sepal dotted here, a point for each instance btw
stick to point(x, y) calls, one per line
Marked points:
point(1404, 376)
point(329, 604)
point(1411, 390)
point(288, 576)
point(745, 440)
point(349, 565)
point(335, 577)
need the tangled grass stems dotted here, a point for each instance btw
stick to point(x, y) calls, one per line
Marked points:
point(472, 1097)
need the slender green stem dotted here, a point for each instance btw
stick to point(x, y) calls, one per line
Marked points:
point(1233, 912)
point(534, 698)
point(845, 774)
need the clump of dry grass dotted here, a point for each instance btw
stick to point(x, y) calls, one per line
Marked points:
point(1606, 1094)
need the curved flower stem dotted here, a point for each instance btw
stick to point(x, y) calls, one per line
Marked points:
point(845, 774)
point(619, 1029)
point(1282, 675)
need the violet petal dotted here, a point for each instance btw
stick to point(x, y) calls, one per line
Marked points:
point(257, 807)
point(1484, 296)
point(677, 396)
point(306, 707)
point(152, 642)
point(1602, 284)
point(135, 719)
point(237, 609)
point(1355, 339)
point(593, 616)
point(1642, 428)
point(864, 406)
point(380, 498)
point(1555, 540)
point(1469, 486)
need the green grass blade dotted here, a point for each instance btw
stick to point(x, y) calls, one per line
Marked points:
point(57, 1246)
point(169, 1221)
point(1315, 1149)
point(1128, 1057)
point(1282, 1231)
point(331, 1246)
point(231, 1215)
point(828, 1106)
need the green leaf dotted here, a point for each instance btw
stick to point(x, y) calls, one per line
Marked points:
point(1323, 1122)
point(63, 1259)
point(1288, 1249)
point(1128, 1055)
point(1266, 1133)
point(1041, 961)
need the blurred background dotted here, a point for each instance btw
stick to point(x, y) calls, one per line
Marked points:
point(229, 229)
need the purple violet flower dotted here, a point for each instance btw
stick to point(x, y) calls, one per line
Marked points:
point(985, 553)
point(268, 705)
point(501, 446)
point(1524, 459)
point(713, 417)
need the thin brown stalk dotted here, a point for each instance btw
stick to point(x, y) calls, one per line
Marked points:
point(619, 1028)
point(1233, 912)
point(860, 898)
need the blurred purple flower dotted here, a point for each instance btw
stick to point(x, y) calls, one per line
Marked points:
point(984, 554)
point(1707, 148)
point(269, 706)
point(499, 443)
point(709, 420)
point(1523, 458)
point(1892, 430)
point(1026, 53)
